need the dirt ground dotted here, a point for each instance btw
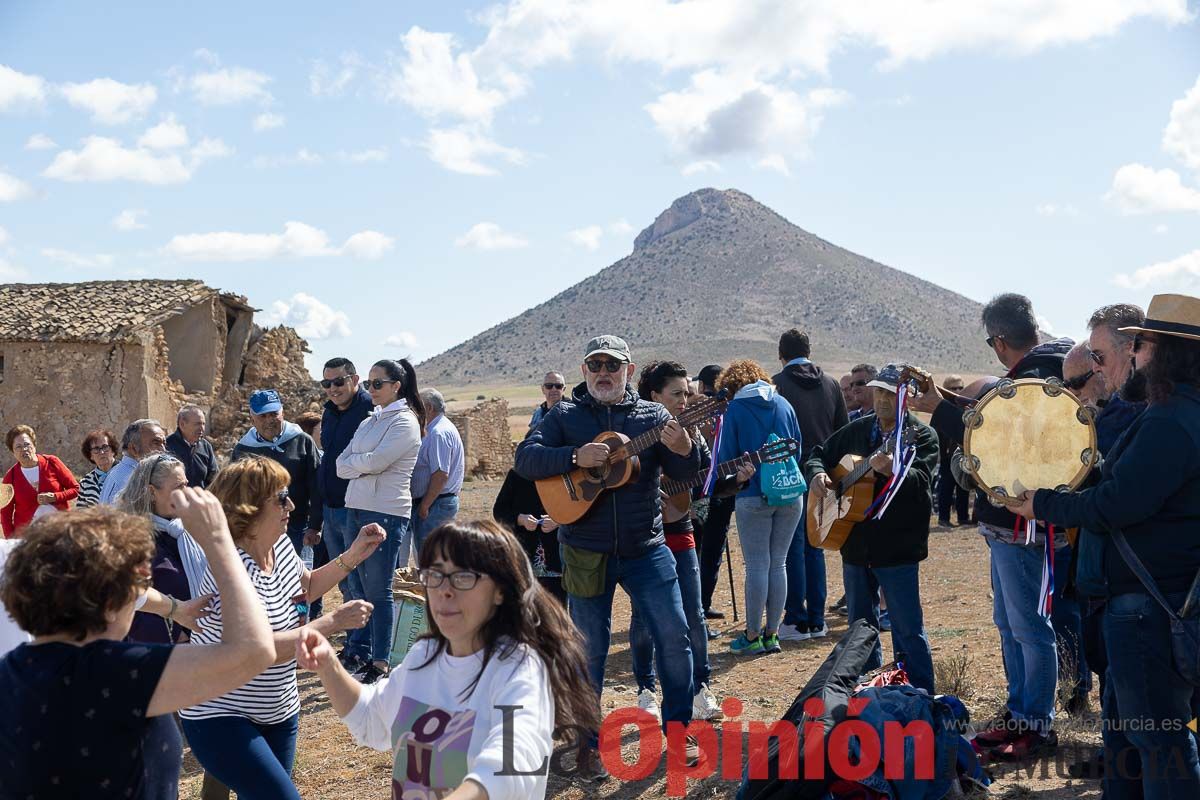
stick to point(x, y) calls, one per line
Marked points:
point(956, 599)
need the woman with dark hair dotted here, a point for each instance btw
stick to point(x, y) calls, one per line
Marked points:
point(84, 712)
point(41, 484)
point(100, 448)
point(1149, 492)
point(472, 711)
point(379, 463)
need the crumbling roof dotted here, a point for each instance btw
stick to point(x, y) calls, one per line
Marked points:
point(96, 311)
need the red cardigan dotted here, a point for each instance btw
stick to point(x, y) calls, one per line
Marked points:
point(53, 476)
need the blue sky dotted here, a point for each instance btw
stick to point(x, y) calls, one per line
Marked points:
point(392, 178)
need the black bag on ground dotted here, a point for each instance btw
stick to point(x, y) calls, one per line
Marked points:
point(833, 683)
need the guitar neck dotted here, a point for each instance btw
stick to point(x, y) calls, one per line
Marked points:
point(863, 468)
point(724, 470)
point(646, 440)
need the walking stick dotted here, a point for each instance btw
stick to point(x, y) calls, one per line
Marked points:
point(732, 593)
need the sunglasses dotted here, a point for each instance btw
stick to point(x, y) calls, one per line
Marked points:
point(1079, 381)
point(991, 340)
point(377, 384)
point(598, 364)
point(1098, 357)
point(338, 382)
point(282, 498)
point(859, 384)
point(954, 389)
point(558, 386)
point(464, 580)
point(1140, 339)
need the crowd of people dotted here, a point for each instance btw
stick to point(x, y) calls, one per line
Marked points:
point(174, 593)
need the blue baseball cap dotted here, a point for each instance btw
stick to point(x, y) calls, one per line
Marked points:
point(888, 378)
point(264, 401)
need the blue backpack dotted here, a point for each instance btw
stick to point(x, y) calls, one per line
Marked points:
point(781, 482)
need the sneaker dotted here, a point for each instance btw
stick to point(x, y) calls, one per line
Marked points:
point(590, 769)
point(1091, 768)
point(713, 634)
point(711, 614)
point(793, 633)
point(649, 703)
point(353, 662)
point(369, 674)
point(704, 706)
point(839, 603)
point(744, 646)
point(691, 752)
point(996, 731)
point(1025, 746)
point(814, 631)
point(885, 622)
point(944, 522)
point(771, 643)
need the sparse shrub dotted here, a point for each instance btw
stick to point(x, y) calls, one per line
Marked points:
point(955, 675)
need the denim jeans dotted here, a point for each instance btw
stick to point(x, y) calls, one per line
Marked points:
point(251, 759)
point(1068, 627)
point(295, 532)
point(441, 511)
point(1027, 641)
point(766, 534)
point(338, 533)
point(806, 591)
point(653, 588)
point(376, 574)
point(902, 587)
point(641, 644)
point(1143, 691)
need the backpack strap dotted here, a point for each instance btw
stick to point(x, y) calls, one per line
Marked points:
point(1139, 569)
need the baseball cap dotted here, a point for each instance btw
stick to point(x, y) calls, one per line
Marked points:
point(606, 345)
point(264, 401)
point(887, 378)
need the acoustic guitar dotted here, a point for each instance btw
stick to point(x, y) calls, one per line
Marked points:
point(569, 496)
point(679, 493)
point(831, 518)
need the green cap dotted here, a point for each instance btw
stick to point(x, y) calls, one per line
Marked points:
point(608, 346)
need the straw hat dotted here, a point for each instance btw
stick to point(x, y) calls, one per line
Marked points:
point(1172, 315)
point(6, 494)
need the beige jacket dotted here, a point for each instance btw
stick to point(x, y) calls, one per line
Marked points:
point(379, 461)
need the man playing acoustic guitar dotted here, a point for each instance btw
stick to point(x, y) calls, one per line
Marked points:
point(886, 552)
point(620, 539)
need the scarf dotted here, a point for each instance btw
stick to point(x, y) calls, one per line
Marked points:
point(195, 563)
point(252, 438)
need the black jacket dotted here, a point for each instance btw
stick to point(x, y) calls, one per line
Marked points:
point(902, 535)
point(337, 429)
point(299, 457)
point(519, 496)
point(199, 462)
point(626, 521)
point(1149, 488)
point(1043, 361)
point(817, 400)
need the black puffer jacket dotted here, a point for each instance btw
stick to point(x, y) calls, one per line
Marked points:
point(627, 521)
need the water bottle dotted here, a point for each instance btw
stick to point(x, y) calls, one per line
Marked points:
point(306, 555)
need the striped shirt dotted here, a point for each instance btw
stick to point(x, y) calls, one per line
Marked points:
point(271, 696)
point(89, 488)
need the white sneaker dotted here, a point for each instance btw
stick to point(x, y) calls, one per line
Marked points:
point(704, 706)
point(647, 702)
point(818, 633)
point(791, 633)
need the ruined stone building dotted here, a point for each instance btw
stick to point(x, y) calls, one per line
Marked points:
point(487, 442)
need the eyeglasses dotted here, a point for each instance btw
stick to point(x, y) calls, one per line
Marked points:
point(338, 382)
point(859, 384)
point(377, 383)
point(1140, 339)
point(282, 498)
point(100, 448)
point(1097, 356)
point(464, 580)
point(1079, 381)
point(549, 386)
point(956, 388)
point(598, 364)
point(991, 340)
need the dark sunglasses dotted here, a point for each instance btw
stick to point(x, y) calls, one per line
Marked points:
point(1079, 381)
point(558, 386)
point(955, 389)
point(598, 364)
point(1098, 357)
point(859, 384)
point(1140, 339)
point(377, 384)
point(991, 340)
point(282, 498)
point(338, 382)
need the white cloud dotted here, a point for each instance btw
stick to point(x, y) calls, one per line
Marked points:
point(776, 163)
point(1057, 210)
point(268, 121)
point(368, 245)
point(698, 167)
point(1181, 138)
point(373, 154)
point(435, 81)
point(465, 150)
point(229, 86)
point(1181, 273)
point(302, 156)
point(11, 273)
point(76, 259)
point(1160, 229)
point(170, 134)
point(588, 237)
point(325, 81)
point(18, 90)
point(104, 159)
point(110, 102)
point(311, 318)
point(13, 188)
point(40, 141)
point(489, 236)
point(620, 227)
point(129, 220)
point(1044, 324)
point(405, 340)
point(1138, 189)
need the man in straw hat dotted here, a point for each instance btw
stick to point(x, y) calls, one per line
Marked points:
point(1148, 501)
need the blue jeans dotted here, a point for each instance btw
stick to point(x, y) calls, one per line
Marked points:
point(806, 592)
point(251, 759)
point(338, 534)
point(653, 588)
point(441, 511)
point(376, 574)
point(902, 587)
point(766, 533)
point(1142, 692)
point(1067, 621)
point(641, 644)
point(1027, 641)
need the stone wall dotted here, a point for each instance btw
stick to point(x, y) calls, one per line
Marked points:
point(486, 438)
